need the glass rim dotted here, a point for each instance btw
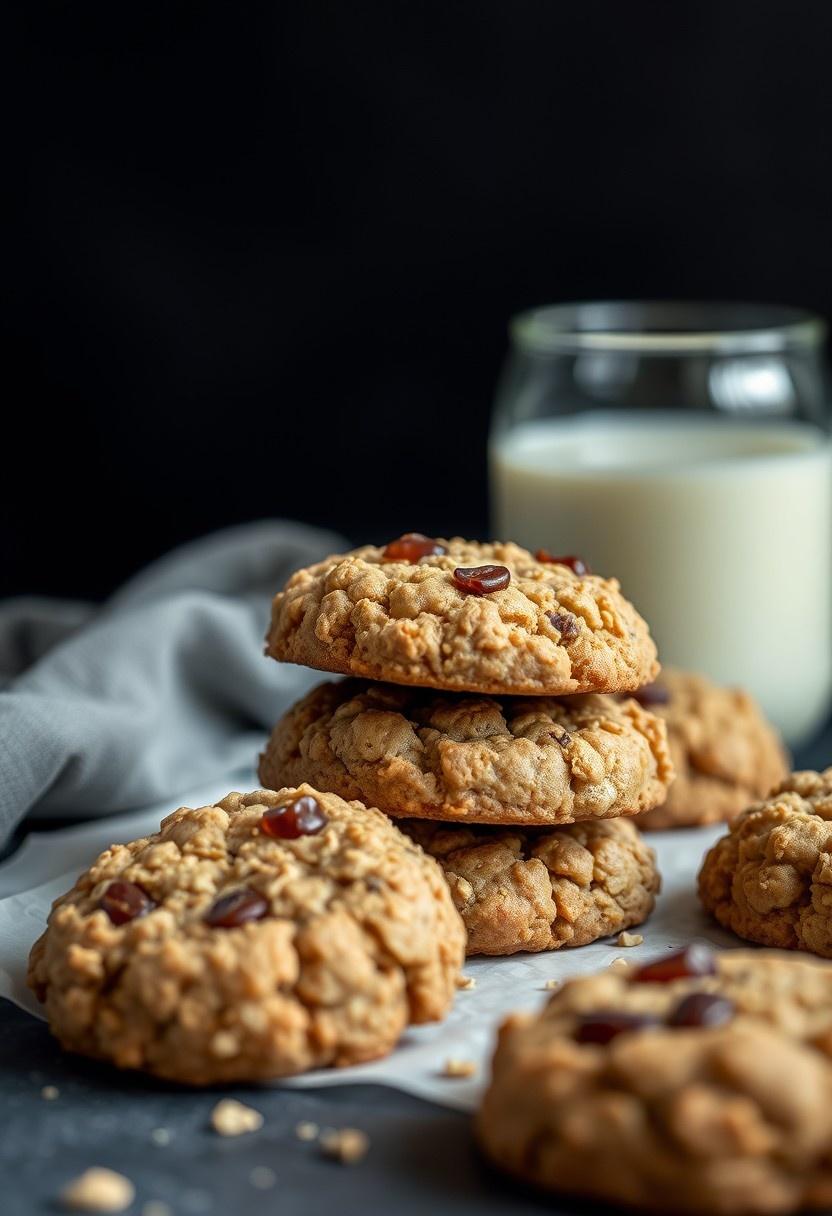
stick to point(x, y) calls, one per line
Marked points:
point(687, 326)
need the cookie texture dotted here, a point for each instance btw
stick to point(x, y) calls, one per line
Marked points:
point(503, 760)
point(549, 631)
point(728, 1117)
point(769, 879)
point(539, 889)
point(356, 936)
point(726, 755)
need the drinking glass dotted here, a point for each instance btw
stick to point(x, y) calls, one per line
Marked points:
point(684, 448)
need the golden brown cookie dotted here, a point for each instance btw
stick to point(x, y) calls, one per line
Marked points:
point(697, 1084)
point(542, 889)
point(769, 879)
point(726, 755)
point(421, 754)
point(514, 625)
point(264, 936)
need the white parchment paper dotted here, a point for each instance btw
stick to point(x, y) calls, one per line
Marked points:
point(47, 864)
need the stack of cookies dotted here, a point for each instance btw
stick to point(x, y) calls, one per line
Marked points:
point(287, 929)
point(488, 720)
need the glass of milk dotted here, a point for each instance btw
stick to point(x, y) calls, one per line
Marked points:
point(685, 449)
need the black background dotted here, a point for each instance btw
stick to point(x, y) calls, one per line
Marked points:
point(263, 255)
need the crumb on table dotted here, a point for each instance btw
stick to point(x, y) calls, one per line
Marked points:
point(231, 1118)
point(459, 1068)
point(98, 1190)
point(307, 1131)
point(348, 1145)
point(629, 939)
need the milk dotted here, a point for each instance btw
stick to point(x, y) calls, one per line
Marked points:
point(720, 533)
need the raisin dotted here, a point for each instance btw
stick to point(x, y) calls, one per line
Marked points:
point(235, 909)
point(602, 1027)
point(702, 1009)
point(576, 564)
point(693, 961)
point(651, 694)
point(412, 546)
point(125, 901)
point(566, 625)
point(303, 817)
point(482, 580)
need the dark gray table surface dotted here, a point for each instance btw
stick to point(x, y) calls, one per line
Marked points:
point(421, 1156)
point(421, 1159)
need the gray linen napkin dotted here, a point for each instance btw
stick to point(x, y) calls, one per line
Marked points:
point(164, 687)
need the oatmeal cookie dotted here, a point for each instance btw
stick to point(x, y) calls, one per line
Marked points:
point(725, 753)
point(260, 937)
point(769, 879)
point(435, 614)
point(516, 761)
point(539, 889)
point(699, 1083)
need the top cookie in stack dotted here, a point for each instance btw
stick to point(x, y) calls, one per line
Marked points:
point(463, 616)
point(512, 722)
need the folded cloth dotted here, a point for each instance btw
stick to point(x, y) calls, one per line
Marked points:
point(164, 687)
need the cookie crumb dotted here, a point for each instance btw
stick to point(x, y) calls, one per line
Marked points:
point(466, 982)
point(551, 985)
point(160, 1136)
point(50, 1092)
point(231, 1118)
point(262, 1177)
point(629, 939)
point(307, 1131)
point(156, 1208)
point(347, 1145)
point(459, 1068)
point(98, 1190)
point(619, 964)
